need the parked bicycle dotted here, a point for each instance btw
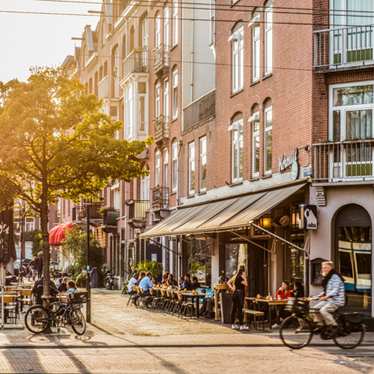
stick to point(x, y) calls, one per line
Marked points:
point(297, 330)
point(59, 314)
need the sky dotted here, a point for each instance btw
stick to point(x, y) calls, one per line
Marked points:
point(39, 40)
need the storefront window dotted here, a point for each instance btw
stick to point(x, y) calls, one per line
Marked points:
point(235, 255)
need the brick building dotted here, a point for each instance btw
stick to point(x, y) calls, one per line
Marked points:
point(257, 111)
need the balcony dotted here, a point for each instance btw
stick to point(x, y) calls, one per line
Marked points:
point(137, 212)
point(343, 48)
point(79, 213)
point(161, 127)
point(103, 88)
point(161, 60)
point(135, 63)
point(349, 161)
point(199, 111)
point(160, 198)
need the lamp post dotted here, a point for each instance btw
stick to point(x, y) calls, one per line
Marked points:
point(88, 278)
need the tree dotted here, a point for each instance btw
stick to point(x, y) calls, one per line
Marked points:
point(56, 142)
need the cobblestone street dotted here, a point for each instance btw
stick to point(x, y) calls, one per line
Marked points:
point(129, 340)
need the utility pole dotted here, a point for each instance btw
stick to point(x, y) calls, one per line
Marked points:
point(88, 280)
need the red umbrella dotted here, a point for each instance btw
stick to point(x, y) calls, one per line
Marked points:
point(58, 233)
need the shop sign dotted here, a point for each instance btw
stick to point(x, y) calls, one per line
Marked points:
point(310, 217)
point(291, 162)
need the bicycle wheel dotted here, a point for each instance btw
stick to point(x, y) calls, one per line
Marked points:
point(77, 321)
point(296, 332)
point(37, 319)
point(349, 335)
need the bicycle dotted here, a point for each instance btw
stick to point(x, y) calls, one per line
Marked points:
point(297, 330)
point(59, 314)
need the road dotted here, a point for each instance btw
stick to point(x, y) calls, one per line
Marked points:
point(128, 340)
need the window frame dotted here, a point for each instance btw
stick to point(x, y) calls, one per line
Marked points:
point(158, 100)
point(255, 146)
point(165, 167)
point(256, 53)
point(267, 129)
point(174, 166)
point(157, 168)
point(268, 37)
point(175, 23)
point(175, 96)
point(237, 59)
point(166, 100)
point(191, 168)
point(158, 31)
point(166, 28)
point(203, 162)
point(237, 150)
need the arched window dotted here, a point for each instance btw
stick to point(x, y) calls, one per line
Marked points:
point(158, 31)
point(175, 83)
point(237, 148)
point(353, 252)
point(165, 168)
point(255, 141)
point(115, 71)
point(166, 28)
point(157, 100)
point(157, 168)
point(143, 32)
point(237, 58)
point(268, 137)
point(174, 165)
point(256, 46)
point(175, 23)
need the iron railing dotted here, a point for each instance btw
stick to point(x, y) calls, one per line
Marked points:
point(345, 161)
point(160, 197)
point(343, 47)
point(161, 126)
point(199, 111)
point(135, 62)
point(138, 209)
point(161, 58)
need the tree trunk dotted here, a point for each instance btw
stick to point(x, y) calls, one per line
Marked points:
point(46, 254)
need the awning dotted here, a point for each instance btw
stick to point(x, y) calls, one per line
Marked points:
point(58, 233)
point(222, 215)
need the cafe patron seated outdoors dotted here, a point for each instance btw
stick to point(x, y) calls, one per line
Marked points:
point(259, 229)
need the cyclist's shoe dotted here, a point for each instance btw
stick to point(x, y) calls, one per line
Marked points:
point(329, 332)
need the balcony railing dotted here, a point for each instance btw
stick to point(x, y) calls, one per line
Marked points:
point(346, 161)
point(136, 62)
point(199, 111)
point(103, 88)
point(161, 129)
point(344, 47)
point(161, 59)
point(160, 197)
point(138, 209)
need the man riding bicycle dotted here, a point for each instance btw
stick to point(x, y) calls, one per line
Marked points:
point(332, 297)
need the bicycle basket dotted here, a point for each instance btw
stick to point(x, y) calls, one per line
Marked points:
point(79, 298)
point(297, 306)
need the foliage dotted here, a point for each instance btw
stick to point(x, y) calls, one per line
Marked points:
point(152, 266)
point(75, 245)
point(56, 142)
point(37, 242)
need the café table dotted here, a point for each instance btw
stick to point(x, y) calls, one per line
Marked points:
point(194, 296)
point(272, 304)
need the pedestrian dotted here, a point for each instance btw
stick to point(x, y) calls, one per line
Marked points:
point(237, 286)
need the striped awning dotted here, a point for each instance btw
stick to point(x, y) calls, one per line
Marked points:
point(222, 215)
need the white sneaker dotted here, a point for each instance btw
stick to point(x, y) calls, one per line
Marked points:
point(275, 326)
point(235, 327)
point(244, 328)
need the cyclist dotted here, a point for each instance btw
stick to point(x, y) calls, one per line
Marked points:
point(332, 297)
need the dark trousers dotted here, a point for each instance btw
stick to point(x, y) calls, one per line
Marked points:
point(237, 306)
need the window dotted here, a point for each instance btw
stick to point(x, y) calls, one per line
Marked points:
point(166, 28)
point(237, 140)
point(157, 100)
point(191, 168)
point(175, 93)
point(158, 31)
point(212, 23)
point(174, 166)
point(142, 106)
point(157, 168)
point(166, 100)
point(268, 129)
point(256, 46)
point(237, 58)
point(268, 38)
point(144, 188)
point(165, 168)
point(255, 144)
point(129, 111)
point(143, 32)
point(351, 119)
point(203, 163)
point(175, 23)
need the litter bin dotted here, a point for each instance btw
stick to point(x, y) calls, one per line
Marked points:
point(226, 307)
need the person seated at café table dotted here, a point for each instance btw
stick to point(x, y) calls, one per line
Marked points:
point(298, 289)
point(146, 283)
point(284, 292)
point(171, 281)
point(195, 283)
point(72, 288)
point(186, 283)
point(63, 286)
point(132, 283)
point(164, 280)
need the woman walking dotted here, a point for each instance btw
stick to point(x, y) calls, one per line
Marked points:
point(237, 285)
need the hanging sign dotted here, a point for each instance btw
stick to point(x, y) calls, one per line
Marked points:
point(291, 163)
point(310, 217)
